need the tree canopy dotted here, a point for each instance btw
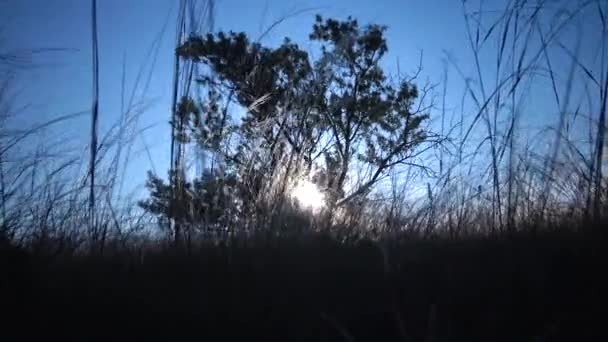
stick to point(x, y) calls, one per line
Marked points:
point(328, 113)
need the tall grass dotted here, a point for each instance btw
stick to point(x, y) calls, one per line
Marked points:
point(498, 241)
point(522, 187)
point(94, 122)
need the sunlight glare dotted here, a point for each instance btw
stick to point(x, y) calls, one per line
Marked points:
point(308, 195)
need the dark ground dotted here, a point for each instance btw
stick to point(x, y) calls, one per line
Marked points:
point(314, 289)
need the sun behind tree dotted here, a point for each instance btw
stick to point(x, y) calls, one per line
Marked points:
point(307, 194)
point(333, 112)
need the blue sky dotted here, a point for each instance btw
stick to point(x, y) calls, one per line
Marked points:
point(60, 81)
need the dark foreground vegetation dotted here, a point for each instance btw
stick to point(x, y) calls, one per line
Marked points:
point(335, 198)
point(548, 286)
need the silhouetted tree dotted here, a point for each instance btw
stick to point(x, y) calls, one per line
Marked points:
point(360, 105)
point(341, 106)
